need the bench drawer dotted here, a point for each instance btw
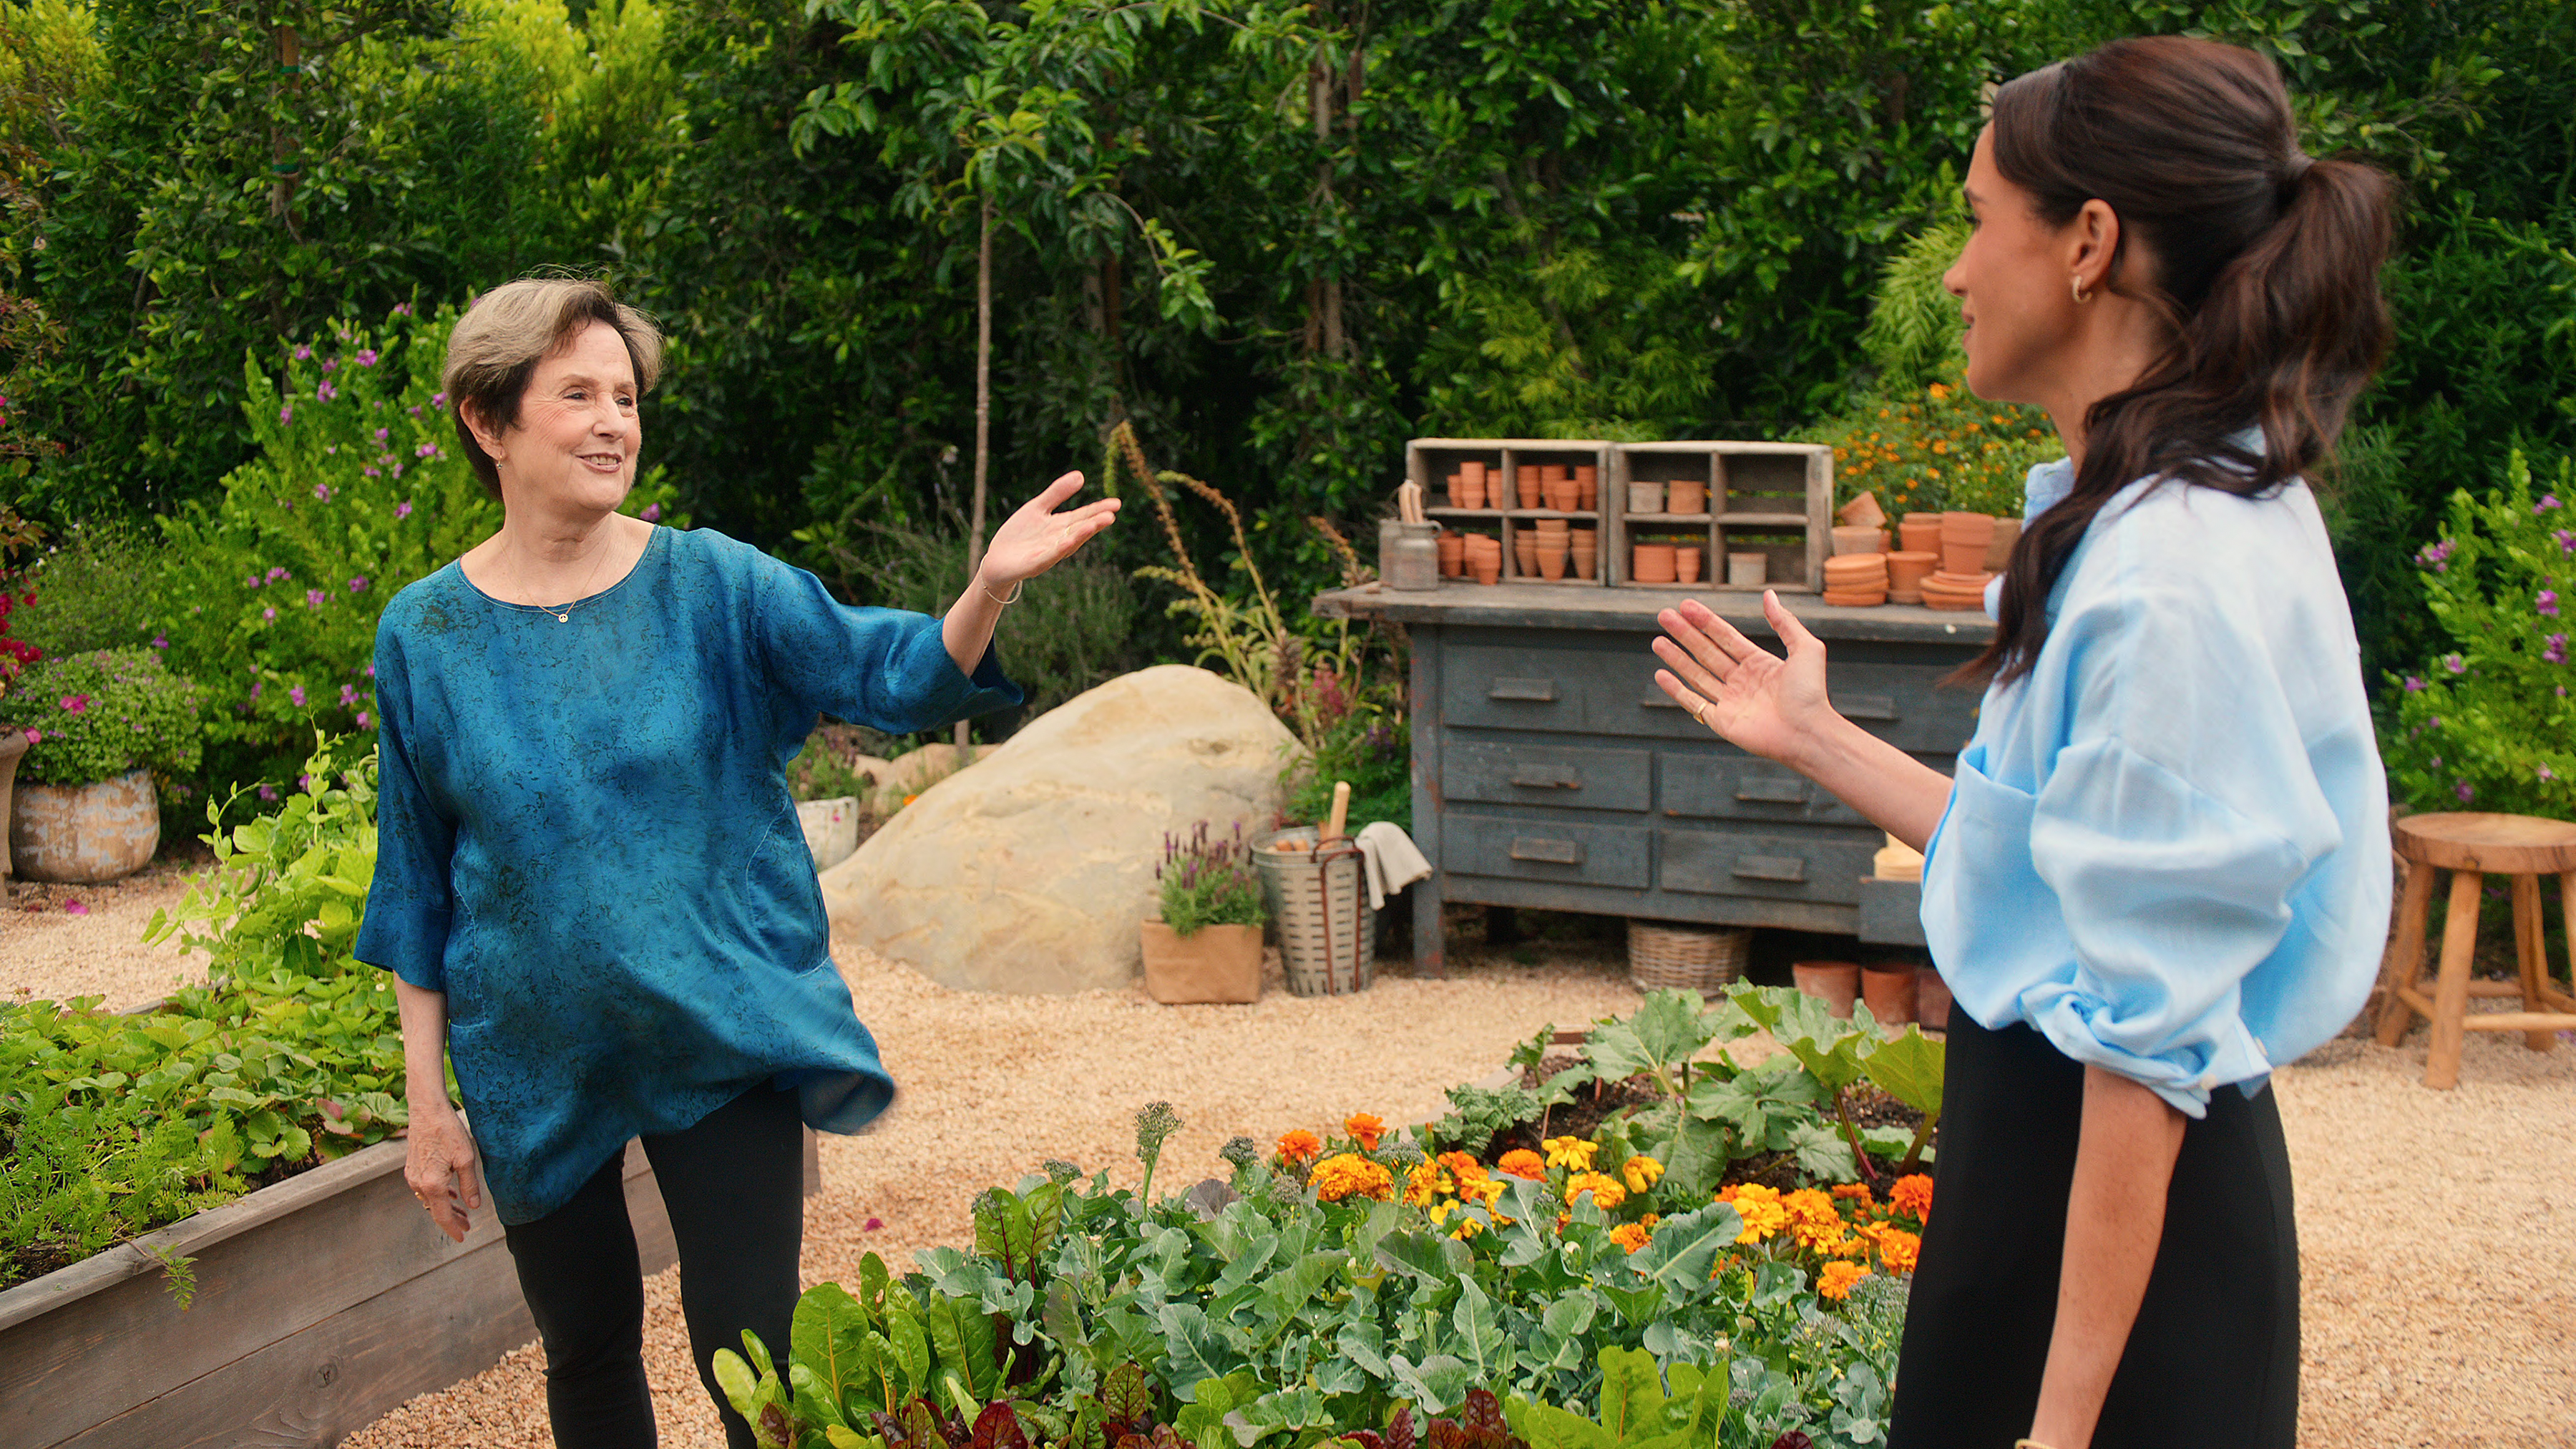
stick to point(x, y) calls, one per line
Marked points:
point(1547, 775)
point(1554, 850)
point(1579, 690)
point(1736, 786)
point(1780, 866)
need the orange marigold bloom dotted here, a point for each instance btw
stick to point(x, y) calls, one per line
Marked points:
point(1761, 1209)
point(1300, 1145)
point(1350, 1175)
point(1365, 1128)
point(1912, 1196)
point(1854, 1190)
point(1898, 1250)
point(1521, 1162)
point(1426, 1184)
point(1631, 1236)
point(1837, 1279)
point(1605, 1189)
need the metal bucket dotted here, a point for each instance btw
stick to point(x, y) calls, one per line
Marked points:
point(1327, 932)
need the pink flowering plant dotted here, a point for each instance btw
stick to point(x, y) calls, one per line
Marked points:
point(93, 716)
point(359, 488)
point(2489, 723)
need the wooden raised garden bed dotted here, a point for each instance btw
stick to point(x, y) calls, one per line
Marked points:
point(321, 1303)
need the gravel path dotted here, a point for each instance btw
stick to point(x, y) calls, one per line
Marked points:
point(2440, 1300)
point(87, 940)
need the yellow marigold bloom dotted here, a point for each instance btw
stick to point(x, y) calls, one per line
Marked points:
point(1300, 1145)
point(1486, 1189)
point(1573, 1152)
point(1426, 1183)
point(1898, 1250)
point(1605, 1189)
point(1630, 1236)
point(1365, 1128)
point(1761, 1210)
point(1350, 1175)
point(1651, 1219)
point(1939, 391)
point(1912, 1196)
point(1837, 1280)
point(1940, 445)
point(1642, 1172)
point(1521, 1162)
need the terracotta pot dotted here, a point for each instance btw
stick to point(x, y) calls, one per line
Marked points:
point(1453, 554)
point(1564, 495)
point(1849, 541)
point(13, 745)
point(1686, 563)
point(1471, 493)
point(1551, 558)
point(1853, 598)
point(1651, 563)
point(1963, 557)
point(1748, 570)
point(1645, 498)
point(1525, 553)
point(1587, 561)
point(1920, 533)
point(1907, 571)
point(1528, 486)
point(1454, 495)
point(84, 833)
point(1213, 963)
point(1931, 999)
point(1856, 568)
point(1835, 983)
point(1587, 487)
point(1888, 987)
point(1472, 472)
point(1862, 512)
point(1999, 552)
point(1685, 496)
point(1976, 528)
point(1488, 568)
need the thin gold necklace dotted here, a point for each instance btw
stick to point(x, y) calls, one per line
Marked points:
point(564, 614)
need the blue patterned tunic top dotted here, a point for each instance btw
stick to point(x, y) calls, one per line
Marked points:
point(585, 840)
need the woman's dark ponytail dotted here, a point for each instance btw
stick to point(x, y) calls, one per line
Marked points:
point(2267, 269)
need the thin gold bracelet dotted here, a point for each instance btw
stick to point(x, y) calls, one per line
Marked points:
point(2028, 1444)
point(1005, 603)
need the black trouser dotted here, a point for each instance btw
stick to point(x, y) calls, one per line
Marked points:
point(733, 1186)
point(2213, 1359)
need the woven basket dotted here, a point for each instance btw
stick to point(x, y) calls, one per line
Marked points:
point(1327, 932)
point(1685, 958)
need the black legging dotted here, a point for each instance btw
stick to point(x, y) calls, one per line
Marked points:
point(2213, 1359)
point(732, 1185)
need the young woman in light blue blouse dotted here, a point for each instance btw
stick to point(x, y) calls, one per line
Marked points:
point(590, 883)
point(2162, 869)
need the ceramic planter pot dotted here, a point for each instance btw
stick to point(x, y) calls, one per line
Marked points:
point(1888, 987)
point(1849, 541)
point(1564, 495)
point(1651, 563)
point(1451, 485)
point(1931, 999)
point(1907, 571)
point(1862, 512)
point(1999, 552)
point(1587, 487)
point(1551, 557)
point(1686, 564)
point(1645, 498)
point(1584, 550)
point(13, 747)
point(1684, 496)
point(1213, 964)
point(1748, 570)
point(1471, 493)
point(1529, 485)
point(1920, 533)
point(1525, 553)
point(84, 833)
point(1453, 554)
point(1835, 983)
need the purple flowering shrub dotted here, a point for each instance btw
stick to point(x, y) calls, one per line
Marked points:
point(1208, 881)
point(273, 588)
point(93, 716)
point(2490, 725)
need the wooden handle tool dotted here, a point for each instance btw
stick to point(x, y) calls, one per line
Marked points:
point(1341, 810)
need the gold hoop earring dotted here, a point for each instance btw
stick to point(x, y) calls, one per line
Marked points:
point(2077, 282)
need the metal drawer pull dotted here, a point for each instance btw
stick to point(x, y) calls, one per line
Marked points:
point(1866, 706)
point(1538, 689)
point(1771, 867)
point(1554, 852)
point(1775, 791)
point(1547, 777)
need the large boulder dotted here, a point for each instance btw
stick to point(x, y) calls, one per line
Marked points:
point(1028, 870)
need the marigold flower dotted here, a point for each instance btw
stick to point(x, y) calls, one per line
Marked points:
point(1573, 1152)
point(1631, 1236)
point(1642, 1172)
point(1426, 1184)
point(1300, 1145)
point(1898, 1250)
point(1855, 1191)
point(1605, 1189)
point(1365, 1129)
point(1463, 1167)
point(1350, 1175)
point(1912, 1196)
point(1761, 1210)
point(1521, 1162)
point(1837, 1279)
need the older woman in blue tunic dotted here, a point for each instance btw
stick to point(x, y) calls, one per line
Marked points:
point(591, 884)
point(2163, 867)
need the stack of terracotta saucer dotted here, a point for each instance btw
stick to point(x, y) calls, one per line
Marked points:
point(1906, 573)
point(1651, 563)
point(1856, 580)
point(1948, 590)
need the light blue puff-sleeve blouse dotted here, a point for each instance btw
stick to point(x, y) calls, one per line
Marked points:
point(2167, 845)
point(585, 839)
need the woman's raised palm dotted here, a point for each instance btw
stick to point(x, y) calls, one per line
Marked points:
point(1756, 700)
point(1036, 538)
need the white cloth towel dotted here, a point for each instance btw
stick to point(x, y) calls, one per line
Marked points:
point(1393, 860)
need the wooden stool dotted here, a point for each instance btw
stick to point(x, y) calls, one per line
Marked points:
point(2472, 846)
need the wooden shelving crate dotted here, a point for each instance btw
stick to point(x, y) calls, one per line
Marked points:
point(1430, 461)
point(1776, 499)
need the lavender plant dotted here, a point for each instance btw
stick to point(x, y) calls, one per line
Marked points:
point(1209, 882)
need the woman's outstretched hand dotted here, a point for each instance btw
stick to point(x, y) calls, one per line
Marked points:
point(1751, 697)
point(1037, 538)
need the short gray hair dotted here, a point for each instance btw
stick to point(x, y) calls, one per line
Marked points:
point(502, 338)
